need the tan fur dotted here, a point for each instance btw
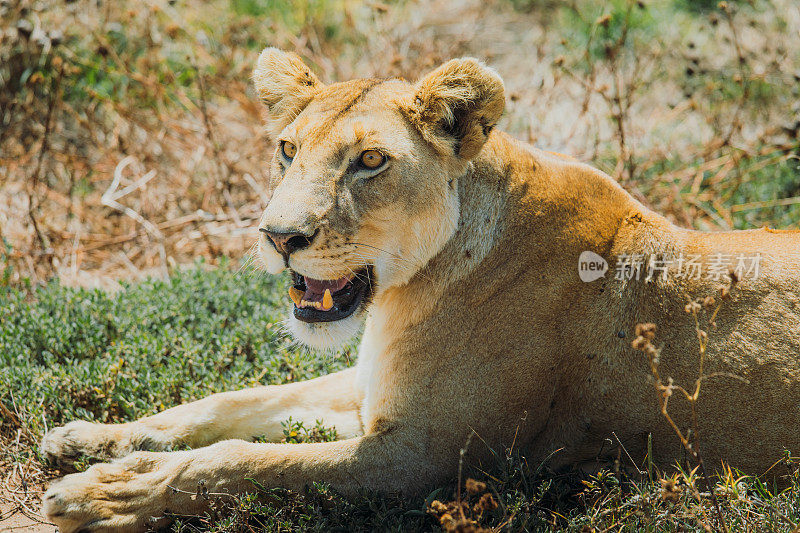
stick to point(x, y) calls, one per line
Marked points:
point(285, 85)
point(479, 320)
point(462, 94)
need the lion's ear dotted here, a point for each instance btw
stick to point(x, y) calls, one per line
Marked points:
point(457, 105)
point(285, 84)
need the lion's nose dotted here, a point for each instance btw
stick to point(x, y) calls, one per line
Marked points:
point(286, 243)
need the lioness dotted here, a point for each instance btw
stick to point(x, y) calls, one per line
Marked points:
point(397, 203)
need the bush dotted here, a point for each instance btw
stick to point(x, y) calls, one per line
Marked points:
point(70, 354)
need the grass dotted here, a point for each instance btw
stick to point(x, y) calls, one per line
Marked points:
point(68, 353)
point(645, 90)
point(77, 353)
point(691, 104)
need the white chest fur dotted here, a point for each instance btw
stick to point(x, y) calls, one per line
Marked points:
point(368, 353)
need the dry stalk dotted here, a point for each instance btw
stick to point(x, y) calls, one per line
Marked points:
point(620, 100)
point(645, 334)
point(223, 178)
point(33, 204)
point(736, 124)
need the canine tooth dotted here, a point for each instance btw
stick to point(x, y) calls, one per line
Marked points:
point(327, 300)
point(296, 295)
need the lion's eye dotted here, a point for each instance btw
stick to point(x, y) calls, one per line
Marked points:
point(372, 159)
point(289, 150)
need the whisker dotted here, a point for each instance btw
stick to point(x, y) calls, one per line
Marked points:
point(366, 266)
point(355, 275)
point(394, 262)
point(249, 260)
point(390, 253)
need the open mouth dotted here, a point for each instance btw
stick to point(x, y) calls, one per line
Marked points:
point(329, 300)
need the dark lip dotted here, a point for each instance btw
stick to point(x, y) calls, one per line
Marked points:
point(360, 288)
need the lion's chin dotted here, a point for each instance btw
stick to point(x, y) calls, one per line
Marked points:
point(326, 336)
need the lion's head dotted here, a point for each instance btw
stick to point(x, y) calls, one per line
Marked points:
point(364, 181)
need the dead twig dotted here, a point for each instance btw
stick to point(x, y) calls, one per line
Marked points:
point(52, 103)
point(645, 334)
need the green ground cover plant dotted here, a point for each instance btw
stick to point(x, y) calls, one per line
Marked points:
point(68, 353)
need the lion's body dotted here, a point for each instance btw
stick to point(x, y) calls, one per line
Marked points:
point(509, 341)
point(484, 325)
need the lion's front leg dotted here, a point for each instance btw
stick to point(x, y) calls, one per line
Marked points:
point(241, 414)
point(138, 490)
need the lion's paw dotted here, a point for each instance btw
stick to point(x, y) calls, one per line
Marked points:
point(63, 445)
point(130, 494)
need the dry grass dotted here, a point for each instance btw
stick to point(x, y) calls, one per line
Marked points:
point(131, 141)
